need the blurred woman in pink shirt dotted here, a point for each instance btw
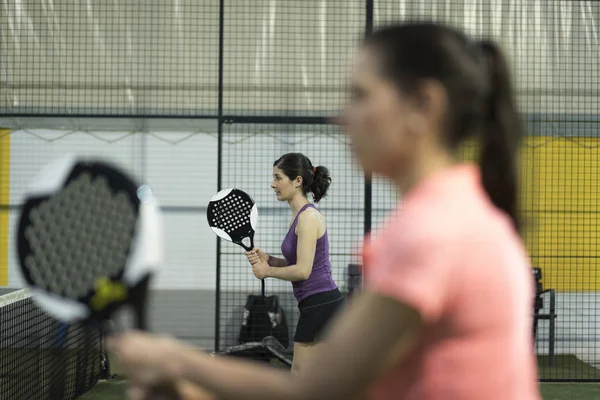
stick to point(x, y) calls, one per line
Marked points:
point(446, 311)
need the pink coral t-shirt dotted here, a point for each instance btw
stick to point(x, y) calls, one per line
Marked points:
point(454, 257)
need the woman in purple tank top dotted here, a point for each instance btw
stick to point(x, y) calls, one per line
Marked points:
point(305, 249)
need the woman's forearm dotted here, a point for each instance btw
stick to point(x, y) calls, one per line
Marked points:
point(231, 378)
point(290, 273)
point(189, 391)
point(277, 262)
point(334, 372)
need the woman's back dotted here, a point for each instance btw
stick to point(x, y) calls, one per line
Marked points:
point(457, 260)
point(320, 279)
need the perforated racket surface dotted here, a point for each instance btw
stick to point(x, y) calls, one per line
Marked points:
point(88, 241)
point(233, 216)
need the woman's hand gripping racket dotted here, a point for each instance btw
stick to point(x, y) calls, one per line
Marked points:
point(233, 216)
point(89, 239)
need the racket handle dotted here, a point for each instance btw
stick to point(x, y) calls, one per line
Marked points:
point(139, 298)
point(142, 319)
point(262, 281)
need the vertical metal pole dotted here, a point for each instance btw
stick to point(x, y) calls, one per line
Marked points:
point(368, 186)
point(144, 163)
point(369, 17)
point(219, 171)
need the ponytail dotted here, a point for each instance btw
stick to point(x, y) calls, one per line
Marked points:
point(315, 180)
point(320, 183)
point(501, 132)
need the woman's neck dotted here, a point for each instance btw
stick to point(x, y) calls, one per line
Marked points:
point(297, 202)
point(426, 167)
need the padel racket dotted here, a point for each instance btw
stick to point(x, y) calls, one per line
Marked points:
point(89, 239)
point(233, 216)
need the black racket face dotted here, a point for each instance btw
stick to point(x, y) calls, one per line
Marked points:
point(74, 241)
point(232, 214)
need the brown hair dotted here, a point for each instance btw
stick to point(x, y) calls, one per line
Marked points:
point(476, 78)
point(315, 180)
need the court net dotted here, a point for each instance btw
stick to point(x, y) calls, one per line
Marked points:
point(42, 358)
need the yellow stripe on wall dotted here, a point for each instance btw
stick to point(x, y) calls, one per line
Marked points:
point(563, 204)
point(4, 200)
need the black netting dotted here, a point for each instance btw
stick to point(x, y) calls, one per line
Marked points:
point(42, 358)
point(97, 58)
point(343, 209)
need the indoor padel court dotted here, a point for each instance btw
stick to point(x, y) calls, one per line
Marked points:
point(176, 116)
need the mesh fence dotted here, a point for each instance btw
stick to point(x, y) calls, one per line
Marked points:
point(289, 57)
point(42, 358)
point(96, 58)
point(263, 76)
point(252, 171)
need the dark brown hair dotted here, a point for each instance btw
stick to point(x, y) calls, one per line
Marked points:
point(315, 180)
point(476, 78)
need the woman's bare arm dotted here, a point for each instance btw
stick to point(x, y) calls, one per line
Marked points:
point(276, 262)
point(365, 340)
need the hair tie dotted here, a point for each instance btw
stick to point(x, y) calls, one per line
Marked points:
point(314, 170)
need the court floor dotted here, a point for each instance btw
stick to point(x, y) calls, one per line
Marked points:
point(115, 390)
point(565, 366)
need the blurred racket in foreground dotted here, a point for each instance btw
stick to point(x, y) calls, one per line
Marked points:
point(89, 239)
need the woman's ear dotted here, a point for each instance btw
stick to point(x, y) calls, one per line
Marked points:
point(298, 182)
point(429, 104)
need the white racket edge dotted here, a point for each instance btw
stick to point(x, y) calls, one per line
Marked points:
point(66, 310)
point(222, 234)
point(147, 250)
point(254, 217)
point(221, 194)
point(51, 177)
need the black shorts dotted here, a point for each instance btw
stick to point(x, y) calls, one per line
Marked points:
point(315, 312)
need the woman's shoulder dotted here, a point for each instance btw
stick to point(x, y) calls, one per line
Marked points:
point(310, 218)
point(310, 214)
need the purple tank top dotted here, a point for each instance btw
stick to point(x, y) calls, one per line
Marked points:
point(320, 279)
